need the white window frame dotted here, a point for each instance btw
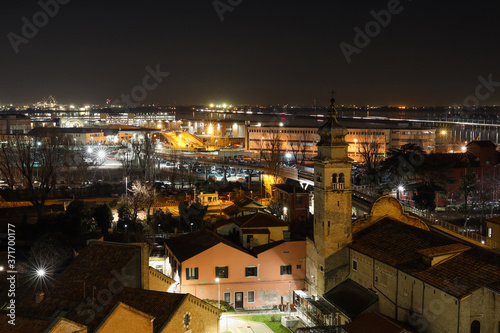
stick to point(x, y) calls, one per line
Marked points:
point(248, 297)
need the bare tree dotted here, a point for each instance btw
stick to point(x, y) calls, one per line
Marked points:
point(173, 156)
point(143, 196)
point(80, 162)
point(38, 161)
point(8, 168)
point(272, 154)
point(305, 141)
point(144, 151)
point(370, 147)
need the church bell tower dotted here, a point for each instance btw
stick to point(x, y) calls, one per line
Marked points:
point(332, 207)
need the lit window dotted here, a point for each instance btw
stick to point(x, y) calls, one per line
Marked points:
point(490, 232)
point(192, 273)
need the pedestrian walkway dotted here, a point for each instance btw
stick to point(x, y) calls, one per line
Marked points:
point(228, 324)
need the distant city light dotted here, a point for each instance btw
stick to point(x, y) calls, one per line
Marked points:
point(443, 132)
point(281, 124)
point(89, 150)
point(41, 272)
point(464, 148)
point(401, 188)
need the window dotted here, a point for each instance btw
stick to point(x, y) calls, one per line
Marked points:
point(490, 232)
point(227, 297)
point(334, 178)
point(251, 271)
point(221, 272)
point(251, 297)
point(355, 265)
point(286, 270)
point(475, 327)
point(341, 178)
point(298, 199)
point(299, 266)
point(192, 273)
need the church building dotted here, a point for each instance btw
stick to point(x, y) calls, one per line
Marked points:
point(390, 262)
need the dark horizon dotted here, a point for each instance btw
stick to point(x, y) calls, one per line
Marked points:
point(261, 53)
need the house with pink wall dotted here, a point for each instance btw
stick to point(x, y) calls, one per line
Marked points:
point(261, 277)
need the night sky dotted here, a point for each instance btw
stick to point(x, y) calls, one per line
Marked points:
point(263, 52)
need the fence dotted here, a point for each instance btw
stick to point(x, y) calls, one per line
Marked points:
point(431, 219)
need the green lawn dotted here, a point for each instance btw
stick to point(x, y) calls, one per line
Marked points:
point(266, 319)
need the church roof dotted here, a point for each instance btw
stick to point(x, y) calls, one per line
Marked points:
point(375, 322)
point(401, 246)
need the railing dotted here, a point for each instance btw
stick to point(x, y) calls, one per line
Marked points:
point(367, 189)
point(338, 186)
point(430, 218)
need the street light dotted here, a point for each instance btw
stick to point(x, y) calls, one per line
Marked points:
point(400, 190)
point(218, 290)
point(41, 272)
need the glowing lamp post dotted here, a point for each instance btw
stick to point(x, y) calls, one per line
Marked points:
point(400, 190)
point(218, 290)
point(41, 272)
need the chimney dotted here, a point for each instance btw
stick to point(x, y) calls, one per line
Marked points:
point(39, 295)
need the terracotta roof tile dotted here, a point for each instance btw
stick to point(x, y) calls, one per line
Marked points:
point(23, 324)
point(444, 250)
point(97, 262)
point(375, 322)
point(398, 245)
point(255, 231)
point(258, 220)
point(189, 245)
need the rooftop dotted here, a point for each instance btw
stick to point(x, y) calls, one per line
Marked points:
point(192, 244)
point(399, 245)
point(350, 298)
point(289, 188)
point(375, 322)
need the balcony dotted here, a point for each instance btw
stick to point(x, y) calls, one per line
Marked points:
point(338, 186)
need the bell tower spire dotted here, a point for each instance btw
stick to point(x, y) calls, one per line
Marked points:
point(332, 204)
